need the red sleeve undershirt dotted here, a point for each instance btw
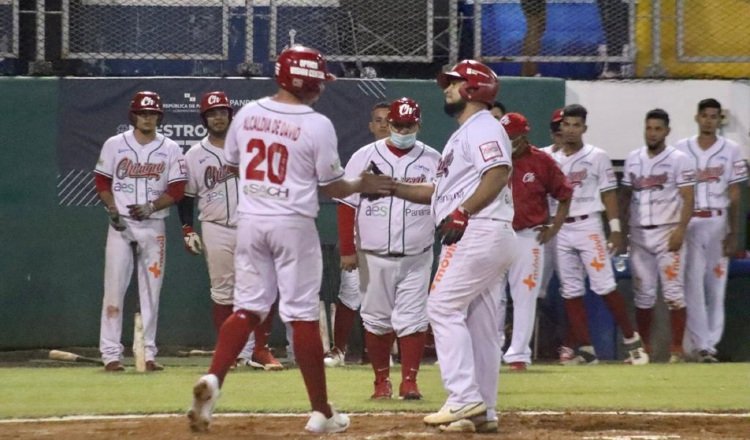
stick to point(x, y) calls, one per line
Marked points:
point(103, 183)
point(175, 190)
point(345, 216)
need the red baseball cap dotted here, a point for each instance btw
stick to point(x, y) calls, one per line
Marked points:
point(557, 115)
point(515, 124)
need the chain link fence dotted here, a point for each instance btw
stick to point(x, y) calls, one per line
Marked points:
point(146, 29)
point(559, 38)
point(356, 31)
point(9, 28)
point(569, 31)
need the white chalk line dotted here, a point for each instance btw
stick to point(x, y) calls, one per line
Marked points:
point(87, 418)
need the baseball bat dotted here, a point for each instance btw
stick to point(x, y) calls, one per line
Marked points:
point(323, 326)
point(139, 345)
point(194, 353)
point(59, 355)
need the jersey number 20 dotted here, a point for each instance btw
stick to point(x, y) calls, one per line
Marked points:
point(276, 156)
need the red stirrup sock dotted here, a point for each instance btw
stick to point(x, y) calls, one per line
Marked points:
point(342, 326)
point(220, 313)
point(412, 349)
point(308, 351)
point(232, 337)
point(677, 320)
point(578, 327)
point(616, 305)
point(379, 350)
point(643, 318)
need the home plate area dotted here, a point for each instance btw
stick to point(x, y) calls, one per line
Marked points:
point(393, 426)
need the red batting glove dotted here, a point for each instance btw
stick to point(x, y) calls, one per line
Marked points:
point(452, 227)
point(192, 240)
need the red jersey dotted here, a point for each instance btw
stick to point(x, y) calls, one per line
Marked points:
point(536, 175)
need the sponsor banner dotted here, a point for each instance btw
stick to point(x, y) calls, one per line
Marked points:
point(93, 109)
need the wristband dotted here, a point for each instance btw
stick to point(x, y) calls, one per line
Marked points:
point(614, 225)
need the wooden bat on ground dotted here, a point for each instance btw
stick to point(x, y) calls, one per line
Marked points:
point(58, 355)
point(195, 353)
point(139, 346)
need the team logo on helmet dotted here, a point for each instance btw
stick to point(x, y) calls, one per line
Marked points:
point(148, 101)
point(213, 99)
point(405, 111)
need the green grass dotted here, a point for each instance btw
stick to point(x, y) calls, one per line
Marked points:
point(43, 392)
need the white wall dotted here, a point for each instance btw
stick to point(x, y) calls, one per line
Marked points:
point(617, 109)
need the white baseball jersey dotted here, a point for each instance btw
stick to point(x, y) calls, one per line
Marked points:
point(655, 182)
point(140, 173)
point(717, 167)
point(590, 173)
point(480, 143)
point(283, 153)
point(390, 225)
point(210, 181)
point(551, 201)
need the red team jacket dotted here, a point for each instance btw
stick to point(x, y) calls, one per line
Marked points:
point(535, 175)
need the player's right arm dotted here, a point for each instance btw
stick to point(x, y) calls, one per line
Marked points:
point(415, 192)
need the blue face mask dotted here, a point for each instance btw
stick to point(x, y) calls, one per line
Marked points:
point(403, 141)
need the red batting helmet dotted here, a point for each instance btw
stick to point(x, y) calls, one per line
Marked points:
point(146, 101)
point(300, 71)
point(557, 117)
point(481, 83)
point(212, 100)
point(515, 124)
point(404, 111)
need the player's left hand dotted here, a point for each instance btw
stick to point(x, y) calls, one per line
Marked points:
point(114, 219)
point(675, 239)
point(141, 212)
point(730, 244)
point(451, 228)
point(616, 243)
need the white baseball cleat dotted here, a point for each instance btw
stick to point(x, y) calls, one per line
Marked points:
point(320, 424)
point(334, 358)
point(205, 394)
point(478, 424)
point(636, 353)
point(451, 413)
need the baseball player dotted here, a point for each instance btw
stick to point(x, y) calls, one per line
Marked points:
point(658, 183)
point(473, 208)
point(582, 248)
point(536, 177)
point(550, 261)
point(285, 151)
point(395, 240)
point(712, 232)
point(349, 296)
point(139, 173)
point(216, 189)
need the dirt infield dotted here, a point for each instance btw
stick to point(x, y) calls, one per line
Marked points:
point(513, 426)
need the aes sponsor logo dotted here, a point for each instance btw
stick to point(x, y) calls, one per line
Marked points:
point(127, 188)
point(376, 211)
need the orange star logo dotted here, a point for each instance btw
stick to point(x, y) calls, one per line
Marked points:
point(154, 269)
point(529, 281)
point(718, 271)
point(596, 264)
point(670, 273)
